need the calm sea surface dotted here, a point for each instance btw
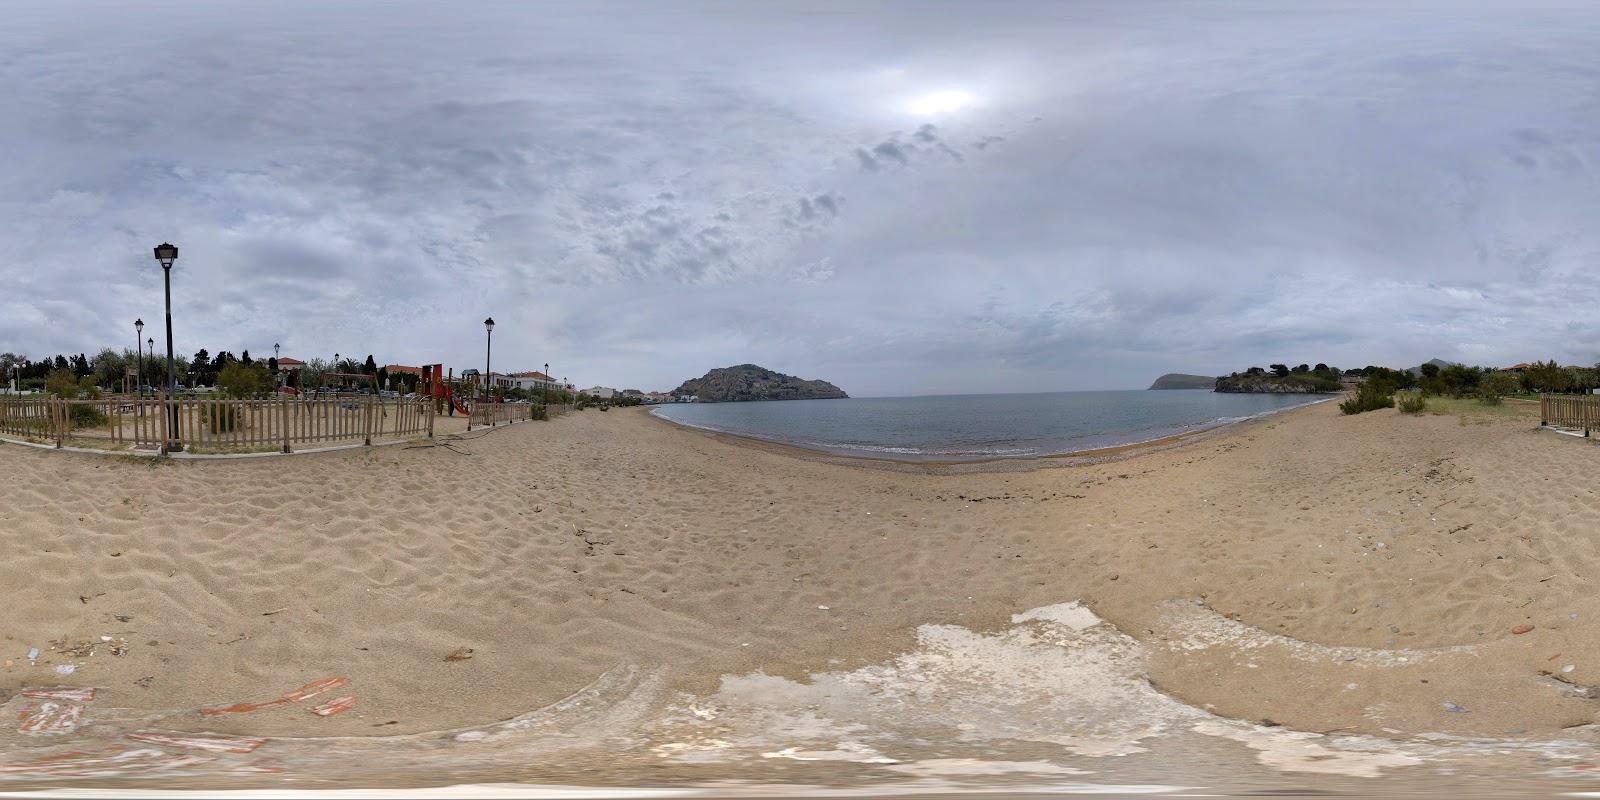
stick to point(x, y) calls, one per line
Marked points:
point(981, 426)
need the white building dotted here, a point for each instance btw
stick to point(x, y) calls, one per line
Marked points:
point(602, 392)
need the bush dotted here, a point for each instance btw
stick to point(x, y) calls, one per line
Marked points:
point(1412, 403)
point(65, 384)
point(220, 418)
point(1370, 396)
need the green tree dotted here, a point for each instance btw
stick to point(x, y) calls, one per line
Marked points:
point(371, 367)
point(241, 380)
point(1496, 385)
point(1280, 370)
point(1303, 368)
point(1545, 376)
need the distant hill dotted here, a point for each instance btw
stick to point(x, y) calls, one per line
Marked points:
point(1438, 362)
point(1178, 380)
point(747, 382)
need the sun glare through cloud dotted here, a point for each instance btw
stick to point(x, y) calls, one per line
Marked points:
point(942, 102)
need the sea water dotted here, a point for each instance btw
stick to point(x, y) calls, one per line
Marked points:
point(981, 426)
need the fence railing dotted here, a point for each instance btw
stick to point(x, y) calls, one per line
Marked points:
point(1568, 411)
point(218, 424)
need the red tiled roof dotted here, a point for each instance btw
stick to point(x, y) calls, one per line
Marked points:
point(403, 368)
point(290, 362)
point(540, 375)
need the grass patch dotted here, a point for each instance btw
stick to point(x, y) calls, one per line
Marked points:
point(1469, 409)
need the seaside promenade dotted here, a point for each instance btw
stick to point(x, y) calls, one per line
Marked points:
point(694, 606)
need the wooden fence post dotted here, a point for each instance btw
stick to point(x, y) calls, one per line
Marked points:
point(366, 423)
point(283, 417)
point(431, 405)
point(59, 418)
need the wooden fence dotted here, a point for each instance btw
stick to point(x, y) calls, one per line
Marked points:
point(218, 424)
point(1570, 411)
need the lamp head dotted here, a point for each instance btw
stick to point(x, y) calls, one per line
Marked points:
point(166, 254)
point(138, 326)
point(488, 324)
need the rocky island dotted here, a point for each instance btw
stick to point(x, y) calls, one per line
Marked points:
point(747, 382)
point(1178, 380)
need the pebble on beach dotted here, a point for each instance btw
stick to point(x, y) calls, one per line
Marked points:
point(1522, 629)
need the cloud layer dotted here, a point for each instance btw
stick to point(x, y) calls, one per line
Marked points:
point(638, 194)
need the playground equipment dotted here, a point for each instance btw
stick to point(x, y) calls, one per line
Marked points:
point(435, 384)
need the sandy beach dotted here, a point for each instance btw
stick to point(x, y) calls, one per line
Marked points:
point(1306, 570)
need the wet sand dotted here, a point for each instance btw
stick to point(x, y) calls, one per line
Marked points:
point(1359, 575)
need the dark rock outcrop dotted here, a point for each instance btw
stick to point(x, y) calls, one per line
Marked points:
point(747, 382)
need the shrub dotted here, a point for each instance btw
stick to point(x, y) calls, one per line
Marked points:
point(65, 384)
point(1370, 396)
point(221, 417)
point(1412, 403)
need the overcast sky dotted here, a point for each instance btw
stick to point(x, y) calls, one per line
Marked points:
point(900, 198)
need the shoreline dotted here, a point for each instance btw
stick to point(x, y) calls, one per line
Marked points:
point(1096, 455)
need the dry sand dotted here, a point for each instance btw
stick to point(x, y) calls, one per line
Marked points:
point(1316, 570)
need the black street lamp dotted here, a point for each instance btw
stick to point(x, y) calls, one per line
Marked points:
point(152, 343)
point(138, 350)
point(166, 254)
point(278, 368)
point(488, 347)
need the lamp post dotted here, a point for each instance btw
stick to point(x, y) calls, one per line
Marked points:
point(488, 348)
point(152, 343)
point(166, 254)
point(138, 351)
point(279, 367)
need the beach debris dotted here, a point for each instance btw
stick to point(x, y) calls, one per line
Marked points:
point(459, 654)
point(144, 683)
point(52, 718)
point(242, 708)
point(33, 653)
point(123, 617)
point(1520, 629)
point(311, 690)
point(66, 669)
point(274, 611)
point(1455, 709)
point(823, 608)
point(212, 744)
point(85, 694)
point(334, 706)
point(1571, 686)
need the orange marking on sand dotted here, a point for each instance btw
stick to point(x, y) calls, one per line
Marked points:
point(242, 708)
point(311, 690)
point(86, 694)
point(335, 705)
point(214, 744)
point(53, 718)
